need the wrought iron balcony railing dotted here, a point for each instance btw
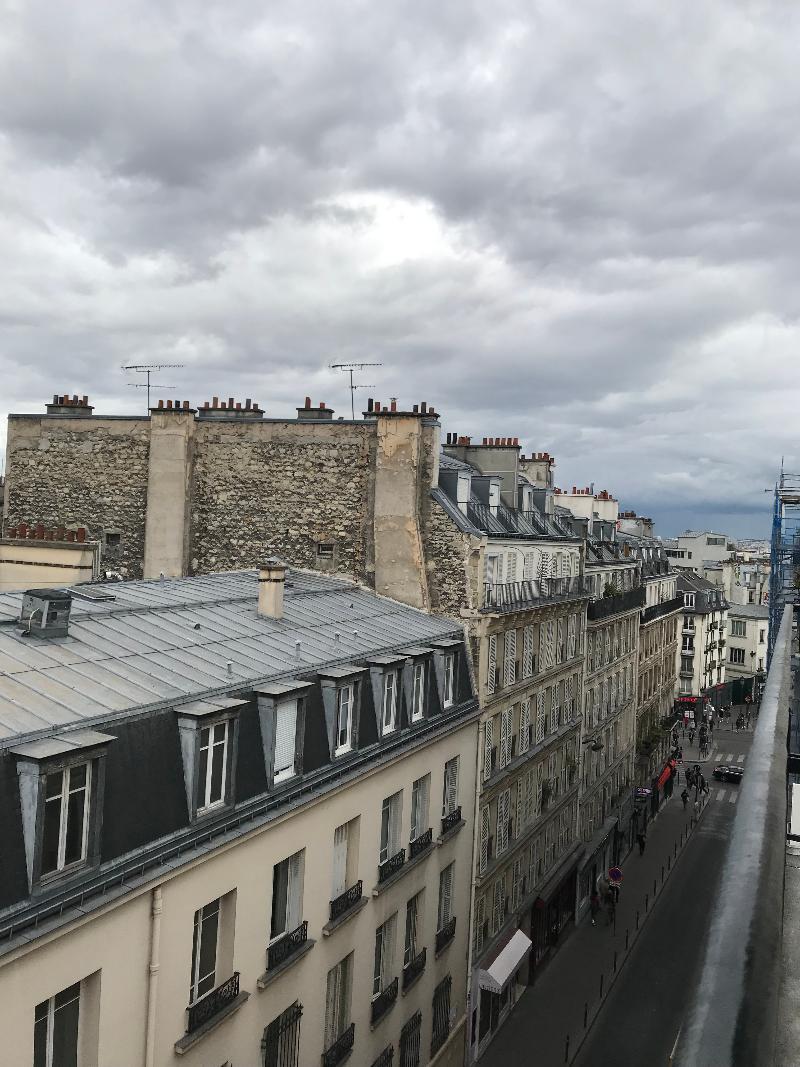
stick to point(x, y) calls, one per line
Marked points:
point(450, 820)
point(391, 866)
point(384, 1001)
point(612, 605)
point(420, 844)
point(508, 596)
point(414, 969)
point(212, 1003)
point(347, 900)
point(386, 1058)
point(340, 1048)
point(280, 951)
point(446, 934)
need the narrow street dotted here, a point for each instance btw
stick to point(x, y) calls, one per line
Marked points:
point(642, 1010)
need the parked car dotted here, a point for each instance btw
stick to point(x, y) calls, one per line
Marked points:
point(727, 773)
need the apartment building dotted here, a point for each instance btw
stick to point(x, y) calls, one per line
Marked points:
point(607, 812)
point(701, 657)
point(236, 825)
point(748, 630)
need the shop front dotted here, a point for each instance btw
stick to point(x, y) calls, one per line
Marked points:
point(497, 985)
point(553, 909)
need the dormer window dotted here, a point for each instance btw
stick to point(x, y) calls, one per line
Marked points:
point(463, 490)
point(344, 719)
point(449, 680)
point(418, 692)
point(341, 699)
point(213, 765)
point(208, 732)
point(494, 497)
point(281, 713)
point(389, 707)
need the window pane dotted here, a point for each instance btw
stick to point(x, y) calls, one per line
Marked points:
point(77, 777)
point(280, 897)
point(65, 1032)
point(75, 815)
point(53, 784)
point(217, 772)
point(208, 948)
point(40, 1036)
point(50, 834)
point(202, 772)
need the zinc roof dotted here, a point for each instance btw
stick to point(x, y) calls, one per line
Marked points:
point(174, 640)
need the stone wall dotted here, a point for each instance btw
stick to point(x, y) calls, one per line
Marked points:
point(452, 560)
point(90, 472)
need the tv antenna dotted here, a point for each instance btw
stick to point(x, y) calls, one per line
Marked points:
point(148, 368)
point(349, 368)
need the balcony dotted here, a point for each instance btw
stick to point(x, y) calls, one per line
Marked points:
point(346, 901)
point(391, 866)
point(420, 844)
point(341, 1048)
point(413, 970)
point(445, 935)
point(451, 821)
point(281, 950)
point(512, 596)
point(656, 611)
point(213, 1004)
point(614, 605)
point(384, 1001)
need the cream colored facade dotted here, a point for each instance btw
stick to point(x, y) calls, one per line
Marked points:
point(747, 635)
point(27, 564)
point(657, 673)
point(701, 652)
point(109, 950)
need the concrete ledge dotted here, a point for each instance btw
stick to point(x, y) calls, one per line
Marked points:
point(409, 865)
point(351, 913)
point(451, 832)
point(190, 1040)
point(268, 977)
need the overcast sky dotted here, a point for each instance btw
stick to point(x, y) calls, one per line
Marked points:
point(575, 223)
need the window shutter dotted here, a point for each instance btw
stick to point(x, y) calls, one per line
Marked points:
point(556, 708)
point(551, 642)
point(518, 818)
point(339, 861)
point(480, 919)
point(285, 737)
point(540, 718)
point(560, 642)
point(525, 726)
point(527, 652)
point(516, 877)
point(497, 905)
point(503, 811)
point(450, 802)
point(528, 796)
point(445, 896)
point(511, 575)
point(331, 1005)
point(488, 731)
point(484, 851)
point(527, 566)
point(505, 737)
point(510, 655)
point(539, 781)
point(492, 664)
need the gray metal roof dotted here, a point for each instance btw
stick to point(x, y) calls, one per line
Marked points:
point(749, 611)
point(174, 640)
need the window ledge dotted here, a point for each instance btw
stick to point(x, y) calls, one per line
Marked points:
point(409, 865)
point(188, 1041)
point(268, 977)
point(334, 924)
point(444, 838)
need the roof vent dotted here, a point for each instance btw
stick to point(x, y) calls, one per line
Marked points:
point(45, 613)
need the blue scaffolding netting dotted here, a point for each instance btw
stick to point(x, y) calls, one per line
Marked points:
point(784, 579)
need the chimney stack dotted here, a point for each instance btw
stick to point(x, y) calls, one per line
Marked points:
point(271, 583)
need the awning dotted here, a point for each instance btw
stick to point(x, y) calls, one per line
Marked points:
point(666, 773)
point(497, 975)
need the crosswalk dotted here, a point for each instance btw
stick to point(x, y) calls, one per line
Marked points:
point(727, 794)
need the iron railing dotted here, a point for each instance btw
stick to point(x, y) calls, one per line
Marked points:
point(413, 970)
point(613, 605)
point(347, 900)
point(446, 934)
point(340, 1048)
point(450, 820)
point(212, 1003)
point(280, 951)
point(655, 611)
point(391, 866)
point(384, 1001)
point(509, 596)
point(386, 1058)
point(420, 844)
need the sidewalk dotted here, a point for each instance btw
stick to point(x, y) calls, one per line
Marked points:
point(566, 996)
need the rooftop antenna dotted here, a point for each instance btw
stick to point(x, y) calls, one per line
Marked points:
point(348, 368)
point(148, 368)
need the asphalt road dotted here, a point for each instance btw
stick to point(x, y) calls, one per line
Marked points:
point(645, 1009)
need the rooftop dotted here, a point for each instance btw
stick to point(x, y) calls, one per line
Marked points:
point(151, 643)
point(749, 611)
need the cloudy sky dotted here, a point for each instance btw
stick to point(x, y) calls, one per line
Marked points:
point(576, 223)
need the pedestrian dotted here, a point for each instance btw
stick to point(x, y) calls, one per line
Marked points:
point(594, 904)
point(685, 797)
point(641, 840)
point(691, 737)
point(680, 755)
point(696, 808)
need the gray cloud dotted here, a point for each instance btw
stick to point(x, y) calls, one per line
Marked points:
point(576, 224)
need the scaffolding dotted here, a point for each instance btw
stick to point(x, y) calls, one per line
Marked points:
point(784, 579)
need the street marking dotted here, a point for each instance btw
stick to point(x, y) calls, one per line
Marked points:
point(721, 794)
point(740, 759)
point(729, 757)
point(733, 797)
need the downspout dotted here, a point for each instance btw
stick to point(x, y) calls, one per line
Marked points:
point(152, 981)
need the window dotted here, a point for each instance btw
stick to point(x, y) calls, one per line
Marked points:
point(738, 628)
point(413, 916)
point(385, 937)
point(527, 652)
point(524, 725)
point(509, 658)
point(491, 669)
point(445, 910)
point(344, 719)
point(285, 740)
point(506, 733)
point(66, 817)
point(737, 655)
point(213, 765)
point(337, 1000)
point(420, 792)
point(503, 812)
point(410, 1041)
point(483, 859)
point(113, 538)
point(450, 789)
point(488, 739)
point(55, 1029)
point(761, 636)
point(389, 712)
point(541, 718)
point(325, 550)
point(418, 692)
point(281, 1041)
point(449, 680)
point(441, 1014)
point(287, 895)
point(204, 950)
point(391, 817)
point(688, 600)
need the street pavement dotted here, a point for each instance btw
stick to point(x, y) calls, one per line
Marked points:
point(643, 1005)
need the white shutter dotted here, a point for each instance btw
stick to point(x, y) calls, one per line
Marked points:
point(511, 569)
point(539, 781)
point(519, 806)
point(525, 726)
point(540, 718)
point(528, 796)
point(571, 634)
point(480, 919)
point(488, 739)
point(491, 667)
point(527, 652)
point(294, 892)
point(555, 717)
point(339, 861)
point(527, 566)
point(450, 800)
point(331, 1002)
point(445, 896)
point(516, 878)
point(510, 655)
point(484, 849)
point(505, 737)
point(551, 642)
point(503, 812)
point(545, 565)
point(497, 905)
point(285, 738)
point(560, 642)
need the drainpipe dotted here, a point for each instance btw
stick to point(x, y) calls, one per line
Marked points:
point(152, 983)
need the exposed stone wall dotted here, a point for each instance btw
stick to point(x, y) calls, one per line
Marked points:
point(82, 472)
point(281, 488)
point(452, 562)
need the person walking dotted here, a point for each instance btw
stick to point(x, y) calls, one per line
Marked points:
point(641, 840)
point(685, 797)
point(691, 737)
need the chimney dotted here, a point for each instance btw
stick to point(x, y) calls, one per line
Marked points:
point(271, 582)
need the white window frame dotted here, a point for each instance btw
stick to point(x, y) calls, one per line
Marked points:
point(204, 801)
point(391, 825)
point(293, 912)
point(450, 786)
point(444, 911)
point(391, 683)
point(345, 697)
point(420, 798)
point(385, 938)
point(62, 799)
point(413, 919)
point(491, 664)
point(49, 1015)
point(213, 908)
point(418, 679)
point(280, 774)
point(449, 679)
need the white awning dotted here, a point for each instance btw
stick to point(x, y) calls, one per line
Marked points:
point(496, 976)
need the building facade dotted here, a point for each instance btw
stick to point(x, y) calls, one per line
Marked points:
point(236, 825)
point(702, 656)
point(748, 633)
